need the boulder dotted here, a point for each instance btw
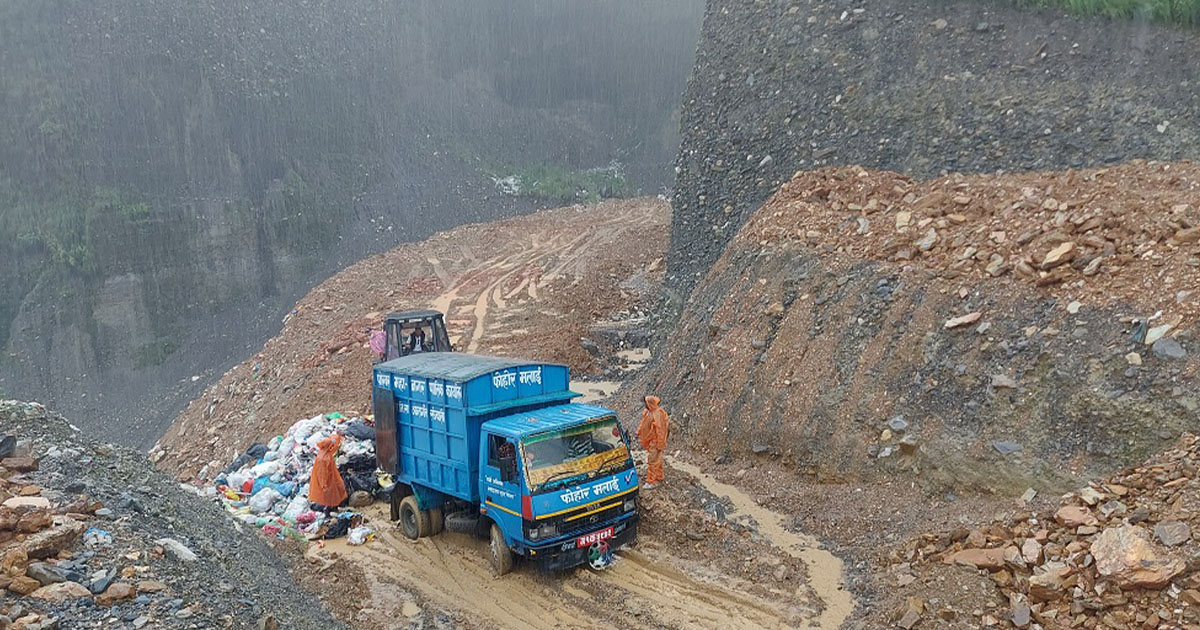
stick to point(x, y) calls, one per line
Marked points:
point(1126, 556)
point(34, 521)
point(1031, 551)
point(60, 592)
point(1046, 583)
point(1062, 254)
point(1168, 348)
point(1171, 533)
point(14, 562)
point(990, 559)
point(45, 574)
point(27, 502)
point(47, 543)
point(177, 550)
point(1074, 516)
point(119, 591)
point(150, 586)
point(22, 585)
point(19, 464)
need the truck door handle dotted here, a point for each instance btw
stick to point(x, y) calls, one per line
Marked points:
point(491, 499)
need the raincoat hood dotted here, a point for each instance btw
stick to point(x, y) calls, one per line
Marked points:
point(652, 402)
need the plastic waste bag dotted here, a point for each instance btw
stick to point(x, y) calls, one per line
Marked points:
point(359, 535)
point(297, 506)
point(264, 499)
point(93, 538)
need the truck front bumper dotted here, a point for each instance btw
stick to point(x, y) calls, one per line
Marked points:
point(564, 554)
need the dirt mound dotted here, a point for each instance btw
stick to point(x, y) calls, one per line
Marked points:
point(864, 323)
point(915, 87)
point(91, 533)
point(1117, 554)
point(529, 287)
point(1127, 236)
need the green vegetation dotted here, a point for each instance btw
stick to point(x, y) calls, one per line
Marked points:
point(555, 184)
point(62, 225)
point(154, 353)
point(1177, 12)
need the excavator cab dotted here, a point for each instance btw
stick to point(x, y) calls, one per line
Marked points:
point(415, 331)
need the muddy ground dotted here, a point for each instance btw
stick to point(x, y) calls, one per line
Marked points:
point(707, 556)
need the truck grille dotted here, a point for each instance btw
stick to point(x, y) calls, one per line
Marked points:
point(586, 518)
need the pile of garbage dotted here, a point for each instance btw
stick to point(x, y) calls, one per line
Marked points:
point(267, 486)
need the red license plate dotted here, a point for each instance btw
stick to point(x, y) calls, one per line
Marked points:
point(587, 540)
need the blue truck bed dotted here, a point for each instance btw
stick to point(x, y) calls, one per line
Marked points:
point(429, 408)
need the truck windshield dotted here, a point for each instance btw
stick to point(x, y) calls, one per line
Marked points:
point(568, 456)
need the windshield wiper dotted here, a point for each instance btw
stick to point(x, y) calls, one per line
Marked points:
point(623, 457)
point(563, 474)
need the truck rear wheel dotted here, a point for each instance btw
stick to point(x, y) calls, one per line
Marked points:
point(436, 521)
point(413, 520)
point(502, 556)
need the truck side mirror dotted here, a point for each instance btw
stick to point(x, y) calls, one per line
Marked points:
point(508, 468)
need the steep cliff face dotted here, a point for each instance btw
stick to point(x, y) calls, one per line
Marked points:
point(983, 333)
point(918, 88)
point(172, 180)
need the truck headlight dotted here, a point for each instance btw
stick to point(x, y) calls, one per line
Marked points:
point(630, 504)
point(548, 530)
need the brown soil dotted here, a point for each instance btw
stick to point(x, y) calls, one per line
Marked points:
point(526, 287)
point(1129, 235)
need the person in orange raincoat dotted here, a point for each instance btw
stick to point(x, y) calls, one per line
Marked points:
point(652, 433)
point(326, 487)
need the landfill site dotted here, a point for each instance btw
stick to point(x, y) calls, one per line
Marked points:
point(825, 382)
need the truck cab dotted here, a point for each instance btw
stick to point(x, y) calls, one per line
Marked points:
point(494, 446)
point(412, 332)
point(560, 485)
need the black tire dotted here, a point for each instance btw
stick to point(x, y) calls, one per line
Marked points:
point(413, 520)
point(502, 556)
point(463, 522)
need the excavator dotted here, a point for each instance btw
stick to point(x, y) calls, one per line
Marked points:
point(410, 332)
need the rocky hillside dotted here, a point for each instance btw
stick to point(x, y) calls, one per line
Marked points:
point(918, 88)
point(173, 180)
point(1118, 553)
point(969, 332)
point(92, 536)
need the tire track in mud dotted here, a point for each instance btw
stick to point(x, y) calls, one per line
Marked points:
point(640, 589)
point(552, 256)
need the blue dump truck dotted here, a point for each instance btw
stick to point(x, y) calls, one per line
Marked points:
point(495, 446)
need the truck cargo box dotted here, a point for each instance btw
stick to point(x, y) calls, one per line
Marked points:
point(429, 408)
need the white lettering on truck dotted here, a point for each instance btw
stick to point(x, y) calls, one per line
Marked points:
point(531, 376)
point(504, 381)
point(454, 391)
point(576, 495)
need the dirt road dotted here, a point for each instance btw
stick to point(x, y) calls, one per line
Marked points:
point(529, 287)
point(650, 585)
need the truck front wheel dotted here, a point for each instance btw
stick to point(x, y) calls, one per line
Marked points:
point(413, 520)
point(502, 556)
